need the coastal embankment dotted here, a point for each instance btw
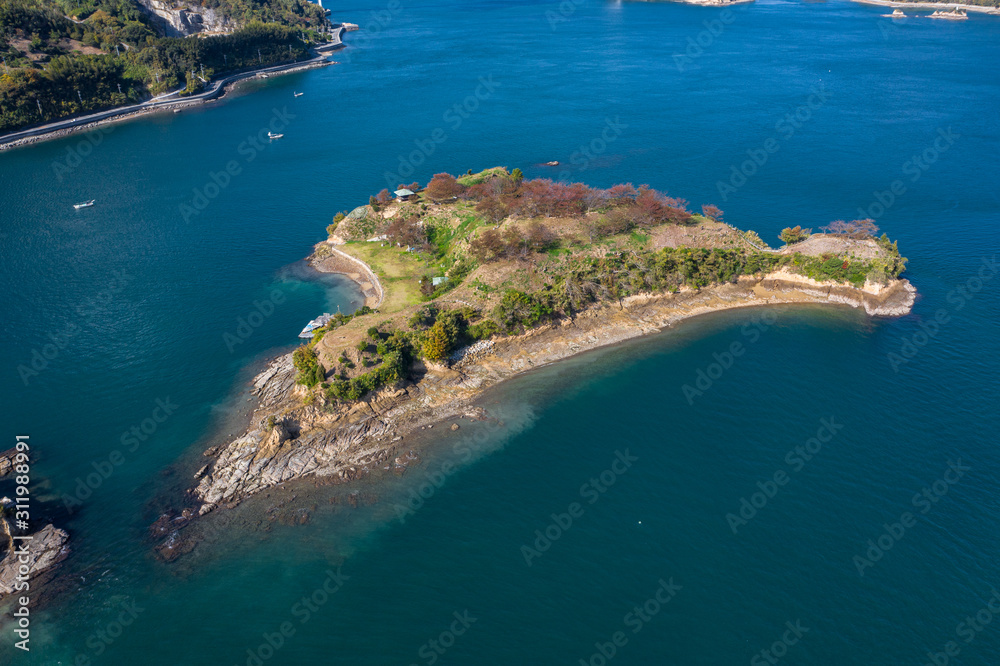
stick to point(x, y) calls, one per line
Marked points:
point(169, 102)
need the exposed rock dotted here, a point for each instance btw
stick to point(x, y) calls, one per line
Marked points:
point(45, 549)
point(344, 444)
point(177, 19)
point(7, 461)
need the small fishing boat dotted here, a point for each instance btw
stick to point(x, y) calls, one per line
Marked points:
point(298, 94)
point(85, 204)
point(318, 322)
point(272, 135)
point(177, 110)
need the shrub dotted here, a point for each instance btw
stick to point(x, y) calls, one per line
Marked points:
point(518, 310)
point(483, 329)
point(794, 234)
point(310, 370)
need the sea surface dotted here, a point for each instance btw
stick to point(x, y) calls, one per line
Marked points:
point(653, 503)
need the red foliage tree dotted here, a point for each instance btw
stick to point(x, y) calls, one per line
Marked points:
point(622, 194)
point(712, 211)
point(443, 186)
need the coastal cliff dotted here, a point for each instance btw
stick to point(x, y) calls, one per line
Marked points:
point(182, 21)
point(525, 289)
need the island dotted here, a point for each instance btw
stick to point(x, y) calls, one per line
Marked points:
point(472, 280)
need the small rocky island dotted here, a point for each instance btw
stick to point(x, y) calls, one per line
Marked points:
point(473, 280)
point(24, 558)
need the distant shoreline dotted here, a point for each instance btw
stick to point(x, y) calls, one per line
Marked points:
point(65, 127)
point(931, 5)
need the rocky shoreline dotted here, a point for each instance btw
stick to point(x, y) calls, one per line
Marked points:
point(982, 9)
point(308, 440)
point(46, 548)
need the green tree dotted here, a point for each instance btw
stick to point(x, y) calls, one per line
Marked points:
point(794, 234)
point(436, 344)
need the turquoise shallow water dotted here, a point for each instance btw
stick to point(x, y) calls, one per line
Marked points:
point(141, 299)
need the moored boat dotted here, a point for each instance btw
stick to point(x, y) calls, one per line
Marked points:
point(318, 322)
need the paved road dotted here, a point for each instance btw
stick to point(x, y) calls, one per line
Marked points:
point(162, 101)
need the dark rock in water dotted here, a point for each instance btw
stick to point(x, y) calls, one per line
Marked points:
point(174, 546)
point(7, 461)
point(47, 548)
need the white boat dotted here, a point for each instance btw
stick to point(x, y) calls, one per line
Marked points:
point(85, 204)
point(298, 94)
point(318, 322)
point(272, 135)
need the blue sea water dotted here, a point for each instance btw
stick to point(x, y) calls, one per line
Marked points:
point(529, 543)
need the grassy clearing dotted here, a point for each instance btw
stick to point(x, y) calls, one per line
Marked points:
point(398, 270)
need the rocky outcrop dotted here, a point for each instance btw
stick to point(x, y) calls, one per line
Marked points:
point(348, 441)
point(180, 20)
point(46, 548)
point(890, 300)
point(7, 461)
